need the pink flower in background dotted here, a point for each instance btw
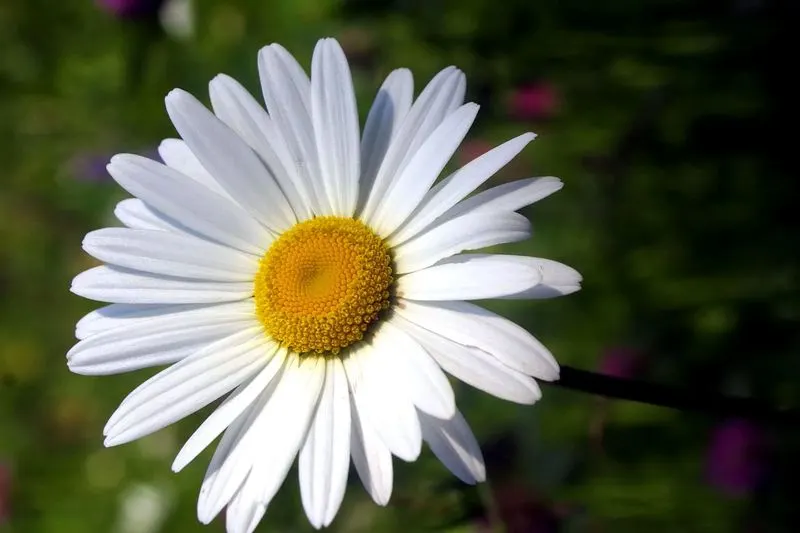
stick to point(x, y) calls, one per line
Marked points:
point(473, 149)
point(131, 8)
point(621, 362)
point(5, 493)
point(534, 101)
point(735, 460)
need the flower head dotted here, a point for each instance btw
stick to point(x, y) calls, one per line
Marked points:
point(314, 276)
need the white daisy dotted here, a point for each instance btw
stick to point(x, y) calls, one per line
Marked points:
point(317, 280)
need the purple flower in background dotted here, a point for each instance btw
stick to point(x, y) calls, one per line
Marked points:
point(5, 493)
point(91, 166)
point(735, 460)
point(131, 8)
point(621, 362)
point(534, 101)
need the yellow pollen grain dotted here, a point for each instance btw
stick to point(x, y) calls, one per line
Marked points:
point(322, 284)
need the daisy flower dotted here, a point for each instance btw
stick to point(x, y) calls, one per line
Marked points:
point(314, 277)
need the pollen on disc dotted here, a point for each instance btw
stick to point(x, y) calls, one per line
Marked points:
point(322, 284)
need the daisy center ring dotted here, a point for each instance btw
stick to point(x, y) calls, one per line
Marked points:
point(322, 284)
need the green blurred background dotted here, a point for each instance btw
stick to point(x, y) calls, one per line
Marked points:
point(665, 119)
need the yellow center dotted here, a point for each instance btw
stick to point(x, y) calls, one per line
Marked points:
point(322, 284)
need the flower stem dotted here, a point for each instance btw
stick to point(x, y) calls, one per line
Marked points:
point(684, 399)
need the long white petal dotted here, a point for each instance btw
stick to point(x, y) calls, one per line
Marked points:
point(471, 277)
point(558, 279)
point(235, 106)
point(234, 165)
point(471, 325)
point(388, 110)
point(186, 387)
point(177, 154)
point(443, 94)
point(409, 186)
point(371, 458)
point(382, 402)
point(507, 197)
point(118, 315)
point(287, 93)
point(234, 405)
point(474, 366)
point(153, 342)
point(325, 455)
point(456, 447)
point(254, 439)
point(245, 511)
point(136, 214)
point(233, 459)
point(186, 202)
point(471, 231)
point(121, 285)
point(170, 254)
point(286, 419)
point(415, 371)
point(335, 119)
point(458, 185)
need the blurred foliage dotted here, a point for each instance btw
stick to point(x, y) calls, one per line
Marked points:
point(679, 209)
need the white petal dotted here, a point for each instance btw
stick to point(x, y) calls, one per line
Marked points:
point(136, 214)
point(285, 421)
point(186, 386)
point(507, 197)
point(244, 511)
point(239, 110)
point(558, 279)
point(470, 277)
point(467, 232)
point(157, 341)
point(117, 315)
point(335, 119)
point(443, 94)
point(325, 455)
point(264, 440)
point(234, 405)
point(170, 254)
point(186, 202)
point(415, 371)
point(177, 154)
point(287, 92)
point(121, 285)
point(371, 457)
point(473, 366)
point(382, 402)
point(234, 165)
point(390, 107)
point(233, 460)
point(458, 185)
point(409, 186)
point(456, 447)
point(471, 325)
